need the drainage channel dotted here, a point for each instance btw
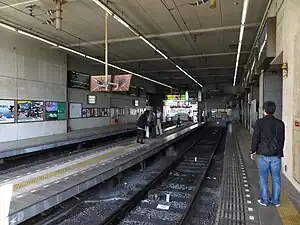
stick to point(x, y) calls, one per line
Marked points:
point(168, 198)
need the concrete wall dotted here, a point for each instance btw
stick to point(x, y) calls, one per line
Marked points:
point(104, 100)
point(287, 41)
point(272, 90)
point(30, 71)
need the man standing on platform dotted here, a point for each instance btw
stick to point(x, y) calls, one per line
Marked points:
point(158, 122)
point(141, 126)
point(268, 142)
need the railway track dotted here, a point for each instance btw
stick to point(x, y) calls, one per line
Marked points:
point(168, 198)
point(134, 200)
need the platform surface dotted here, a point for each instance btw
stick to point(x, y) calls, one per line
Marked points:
point(240, 188)
point(41, 187)
point(14, 148)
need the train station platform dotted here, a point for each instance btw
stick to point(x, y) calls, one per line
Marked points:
point(19, 147)
point(41, 187)
point(240, 188)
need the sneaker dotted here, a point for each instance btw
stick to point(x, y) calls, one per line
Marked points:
point(277, 205)
point(263, 204)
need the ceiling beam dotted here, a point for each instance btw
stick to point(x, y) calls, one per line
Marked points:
point(181, 57)
point(177, 33)
point(191, 69)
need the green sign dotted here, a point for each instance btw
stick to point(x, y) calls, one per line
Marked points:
point(61, 111)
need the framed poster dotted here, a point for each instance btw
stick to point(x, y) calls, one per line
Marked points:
point(51, 111)
point(30, 111)
point(84, 113)
point(95, 112)
point(7, 111)
point(75, 110)
point(61, 111)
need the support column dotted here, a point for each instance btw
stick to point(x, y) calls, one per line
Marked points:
point(106, 51)
point(271, 84)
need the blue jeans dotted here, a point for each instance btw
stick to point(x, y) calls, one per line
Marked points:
point(270, 164)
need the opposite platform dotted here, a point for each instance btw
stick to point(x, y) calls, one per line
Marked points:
point(19, 147)
point(39, 190)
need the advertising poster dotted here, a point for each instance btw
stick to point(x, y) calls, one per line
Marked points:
point(7, 110)
point(96, 112)
point(28, 111)
point(84, 113)
point(55, 111)
point(51, 111)
point(61, 111)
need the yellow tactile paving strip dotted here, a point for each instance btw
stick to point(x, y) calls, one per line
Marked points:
point(288, 213)
point(69, 168)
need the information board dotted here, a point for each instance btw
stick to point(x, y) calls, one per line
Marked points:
point(75, 110)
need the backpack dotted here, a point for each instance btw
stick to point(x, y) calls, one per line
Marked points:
point(273, 145)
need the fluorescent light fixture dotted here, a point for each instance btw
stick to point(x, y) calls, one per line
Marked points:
point(148, 42)
point(241, 33)
point(37, 38)
point(71, 50)
point(121, 21)
point(133, 31)
point(162, 54)
point(245, 10)
point(103, 7)
point(243, 20)
point(8, 27)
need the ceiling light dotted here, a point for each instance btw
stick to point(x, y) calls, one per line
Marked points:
point(162, 54)
point(37, 38)
point(121, 21)
point(8, 27)
point(71, 50)
point(148, 42)
point(245, 10)
point(243, 20)
point(103, 7)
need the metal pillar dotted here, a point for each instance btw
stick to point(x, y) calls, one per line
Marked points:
point(106, 51)
point(58, 16)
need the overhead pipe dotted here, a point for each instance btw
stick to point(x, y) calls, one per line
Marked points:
point(170, 34)
point(182, 57)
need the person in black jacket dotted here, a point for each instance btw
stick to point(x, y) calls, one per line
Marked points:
point(268, 142)
point(141, 126)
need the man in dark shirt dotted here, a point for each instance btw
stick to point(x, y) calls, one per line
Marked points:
point(141, 126)
point(268, 142)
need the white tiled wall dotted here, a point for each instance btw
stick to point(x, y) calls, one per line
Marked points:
point(30, 70)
